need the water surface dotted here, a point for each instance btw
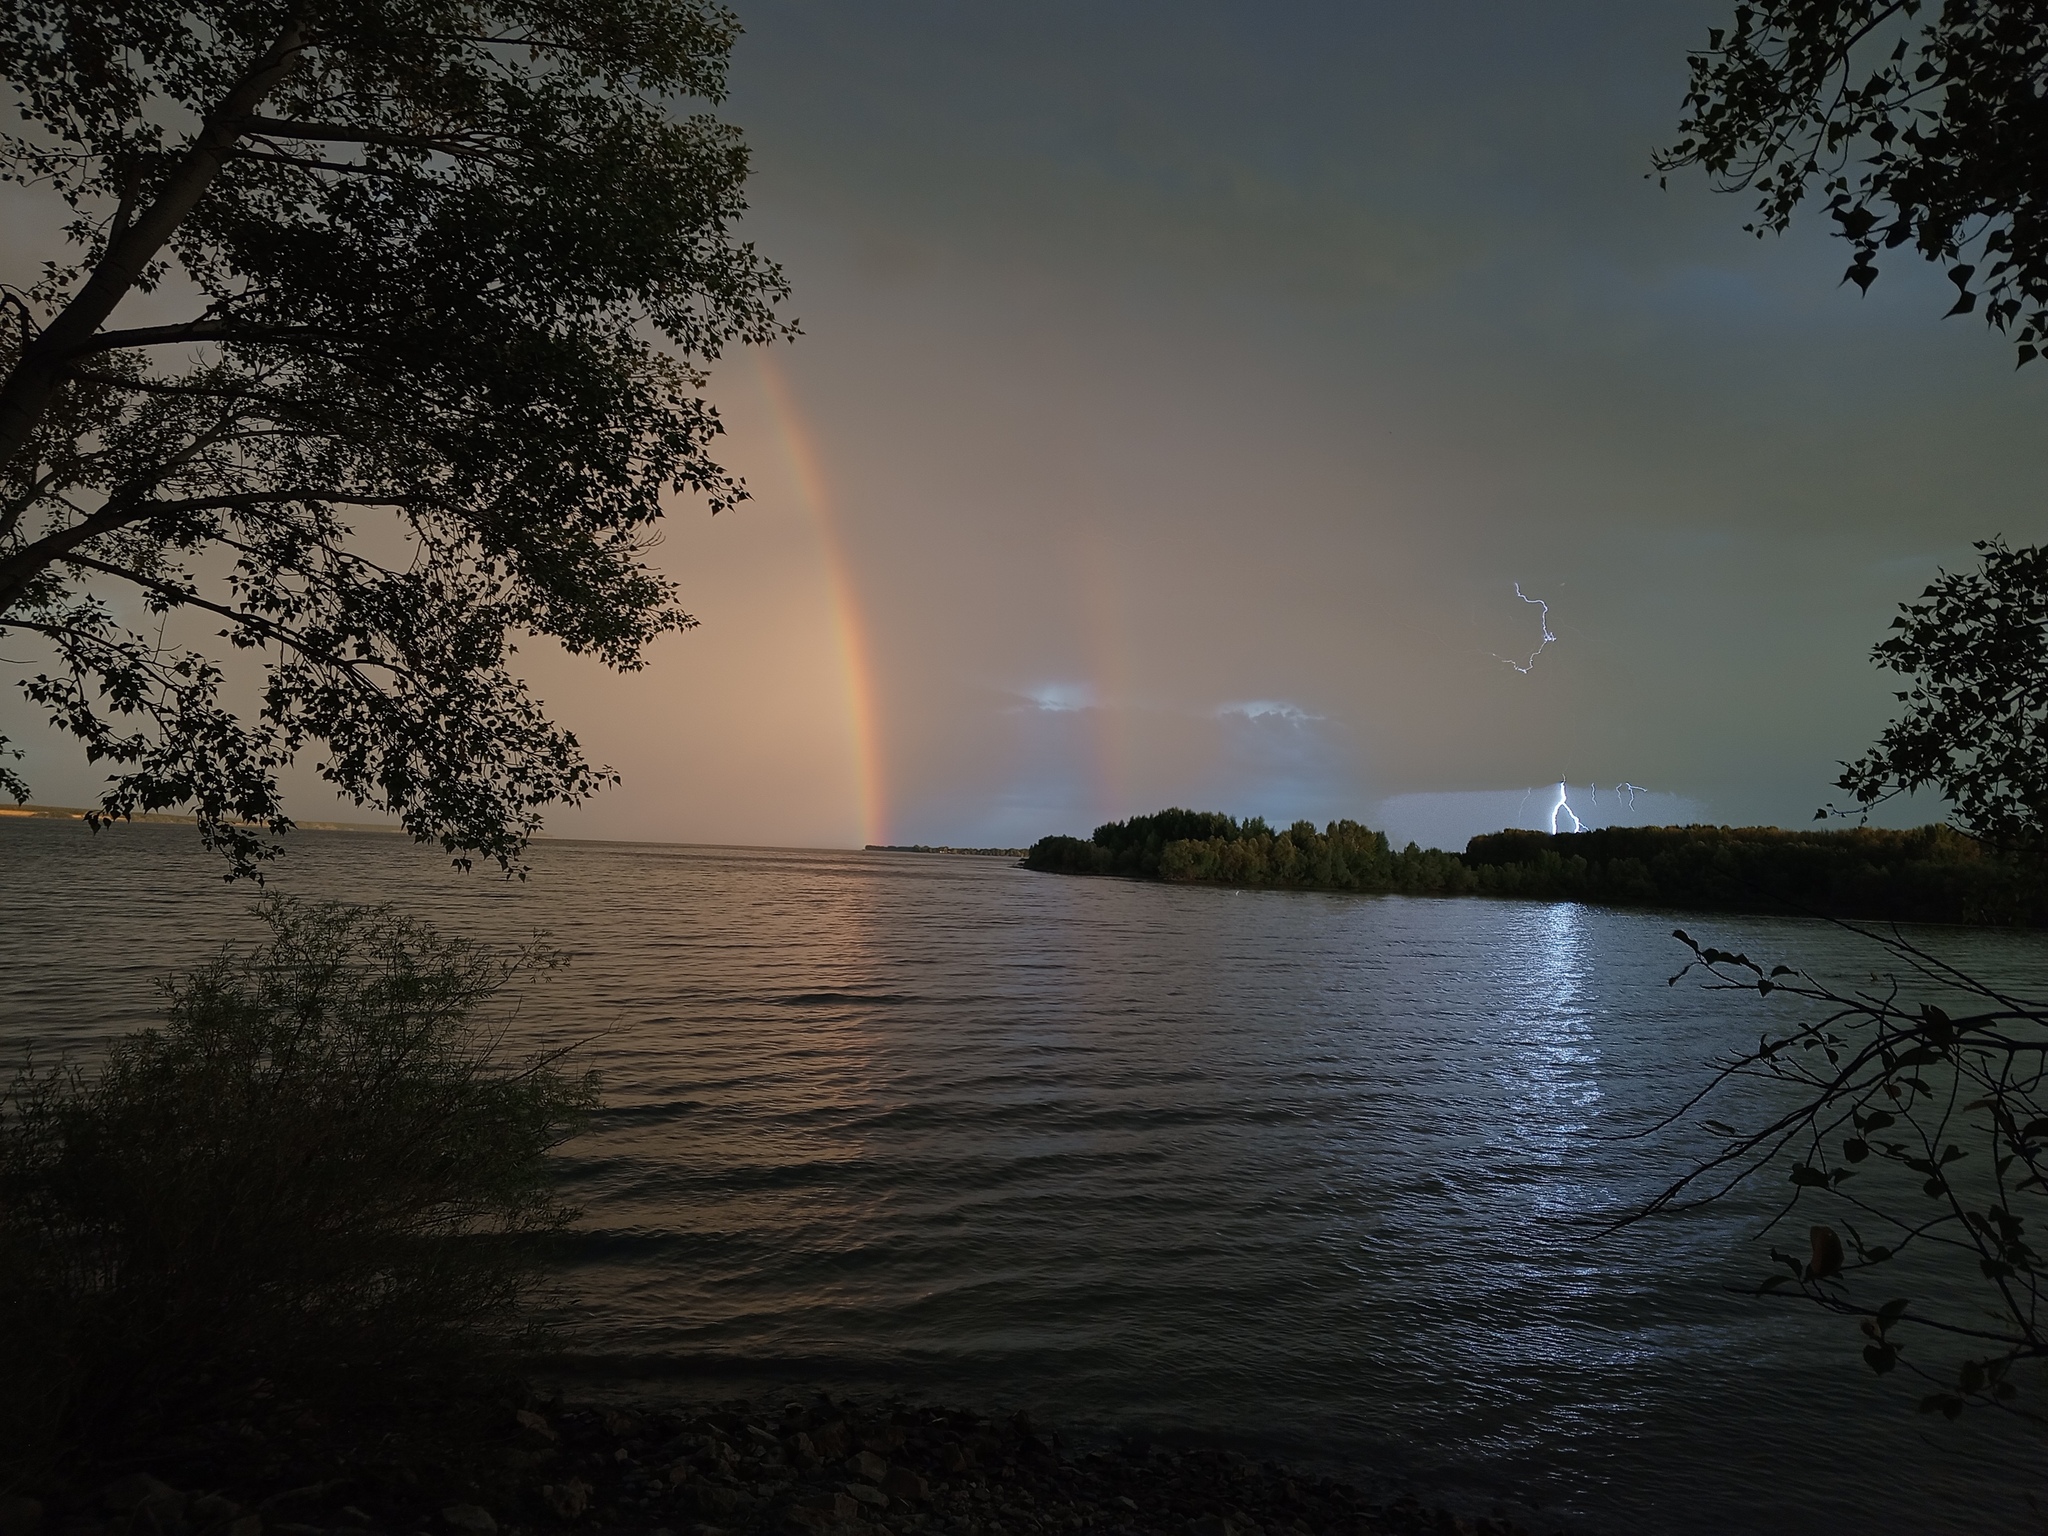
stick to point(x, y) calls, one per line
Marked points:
point(1316, 1173)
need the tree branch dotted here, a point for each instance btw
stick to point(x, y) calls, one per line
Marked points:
point(28, 390)
point(344, 133)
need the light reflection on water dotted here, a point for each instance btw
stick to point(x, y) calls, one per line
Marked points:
point(1314, 1172)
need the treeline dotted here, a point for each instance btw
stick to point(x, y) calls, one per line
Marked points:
point(1202, 846)
point(1929, 874)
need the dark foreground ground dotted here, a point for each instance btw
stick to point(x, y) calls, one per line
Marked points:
point(816, 1468)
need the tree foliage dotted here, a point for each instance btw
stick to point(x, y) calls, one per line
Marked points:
point(1927, 131)
point(319, 1169)
point(1206, 847)
point(1974, 650)
point(443, 278)
point(1928, 874)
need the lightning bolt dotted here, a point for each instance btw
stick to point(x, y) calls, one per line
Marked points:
point(1563, 806)
point(1560, 808)
point(1526, 667)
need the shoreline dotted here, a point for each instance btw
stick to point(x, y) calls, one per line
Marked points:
point(674, 1466)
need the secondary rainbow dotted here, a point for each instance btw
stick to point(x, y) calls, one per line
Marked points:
point(855, 662)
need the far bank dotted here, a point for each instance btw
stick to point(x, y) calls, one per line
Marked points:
point(1930, 874)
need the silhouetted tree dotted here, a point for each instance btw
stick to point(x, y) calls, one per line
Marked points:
point(1926, 131)
point(445, 274)
point(1975, 651)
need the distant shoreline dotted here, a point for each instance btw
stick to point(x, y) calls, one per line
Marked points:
point(972, 853)
point(172, 818)
point(1930, 874)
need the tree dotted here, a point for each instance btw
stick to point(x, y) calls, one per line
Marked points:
point(323, 1167)
point(1932, 134)
point(445, 276)
point(1975, 650)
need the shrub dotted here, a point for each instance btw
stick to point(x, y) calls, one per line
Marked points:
point(321, 1168)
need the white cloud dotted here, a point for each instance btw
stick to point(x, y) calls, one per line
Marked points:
point(1061, 698)
point(1268, 709)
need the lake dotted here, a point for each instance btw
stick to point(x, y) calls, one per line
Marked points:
point(1319, 1175)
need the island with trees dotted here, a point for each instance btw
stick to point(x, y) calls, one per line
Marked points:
point(1928, 874)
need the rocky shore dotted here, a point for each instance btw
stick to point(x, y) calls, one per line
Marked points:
point(814, 1468)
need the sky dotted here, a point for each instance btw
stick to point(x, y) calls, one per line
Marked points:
point(1185, 391)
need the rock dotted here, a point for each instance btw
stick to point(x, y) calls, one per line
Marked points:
point(902, 1483)
point(714, 1500)
point(833, 1441)
point(534, 1429)
point(621, 1425)
point(247, 1525)
point(213, 1509)
point(19, 1514)
point(137, 1489)
point(866, 1464)
point(869, 1495)
point(716, 1456)
point(823, 1512)
point(679, 1473)
point(1124, 1501)
point(472, 1519)
point(568, 1500)
point(956, 1461)
point(1211, 1525)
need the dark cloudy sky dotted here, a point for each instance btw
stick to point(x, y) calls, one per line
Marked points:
point(1185, 387)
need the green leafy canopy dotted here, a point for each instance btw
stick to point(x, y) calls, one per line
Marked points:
point(1974, 653)
point(449, 276)
point(1921, 130)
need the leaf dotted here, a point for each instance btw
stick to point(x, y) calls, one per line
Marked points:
point(1855, 1148)
point(1807, 1176)
point(1881, 1357)
point(1891, 1311)
point(1827, 1253)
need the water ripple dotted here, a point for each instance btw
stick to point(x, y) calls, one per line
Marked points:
point(1321, 1174)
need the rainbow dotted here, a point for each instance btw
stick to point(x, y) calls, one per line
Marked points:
point(856, 667)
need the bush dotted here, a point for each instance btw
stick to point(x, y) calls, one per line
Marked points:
point(321, 1169)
